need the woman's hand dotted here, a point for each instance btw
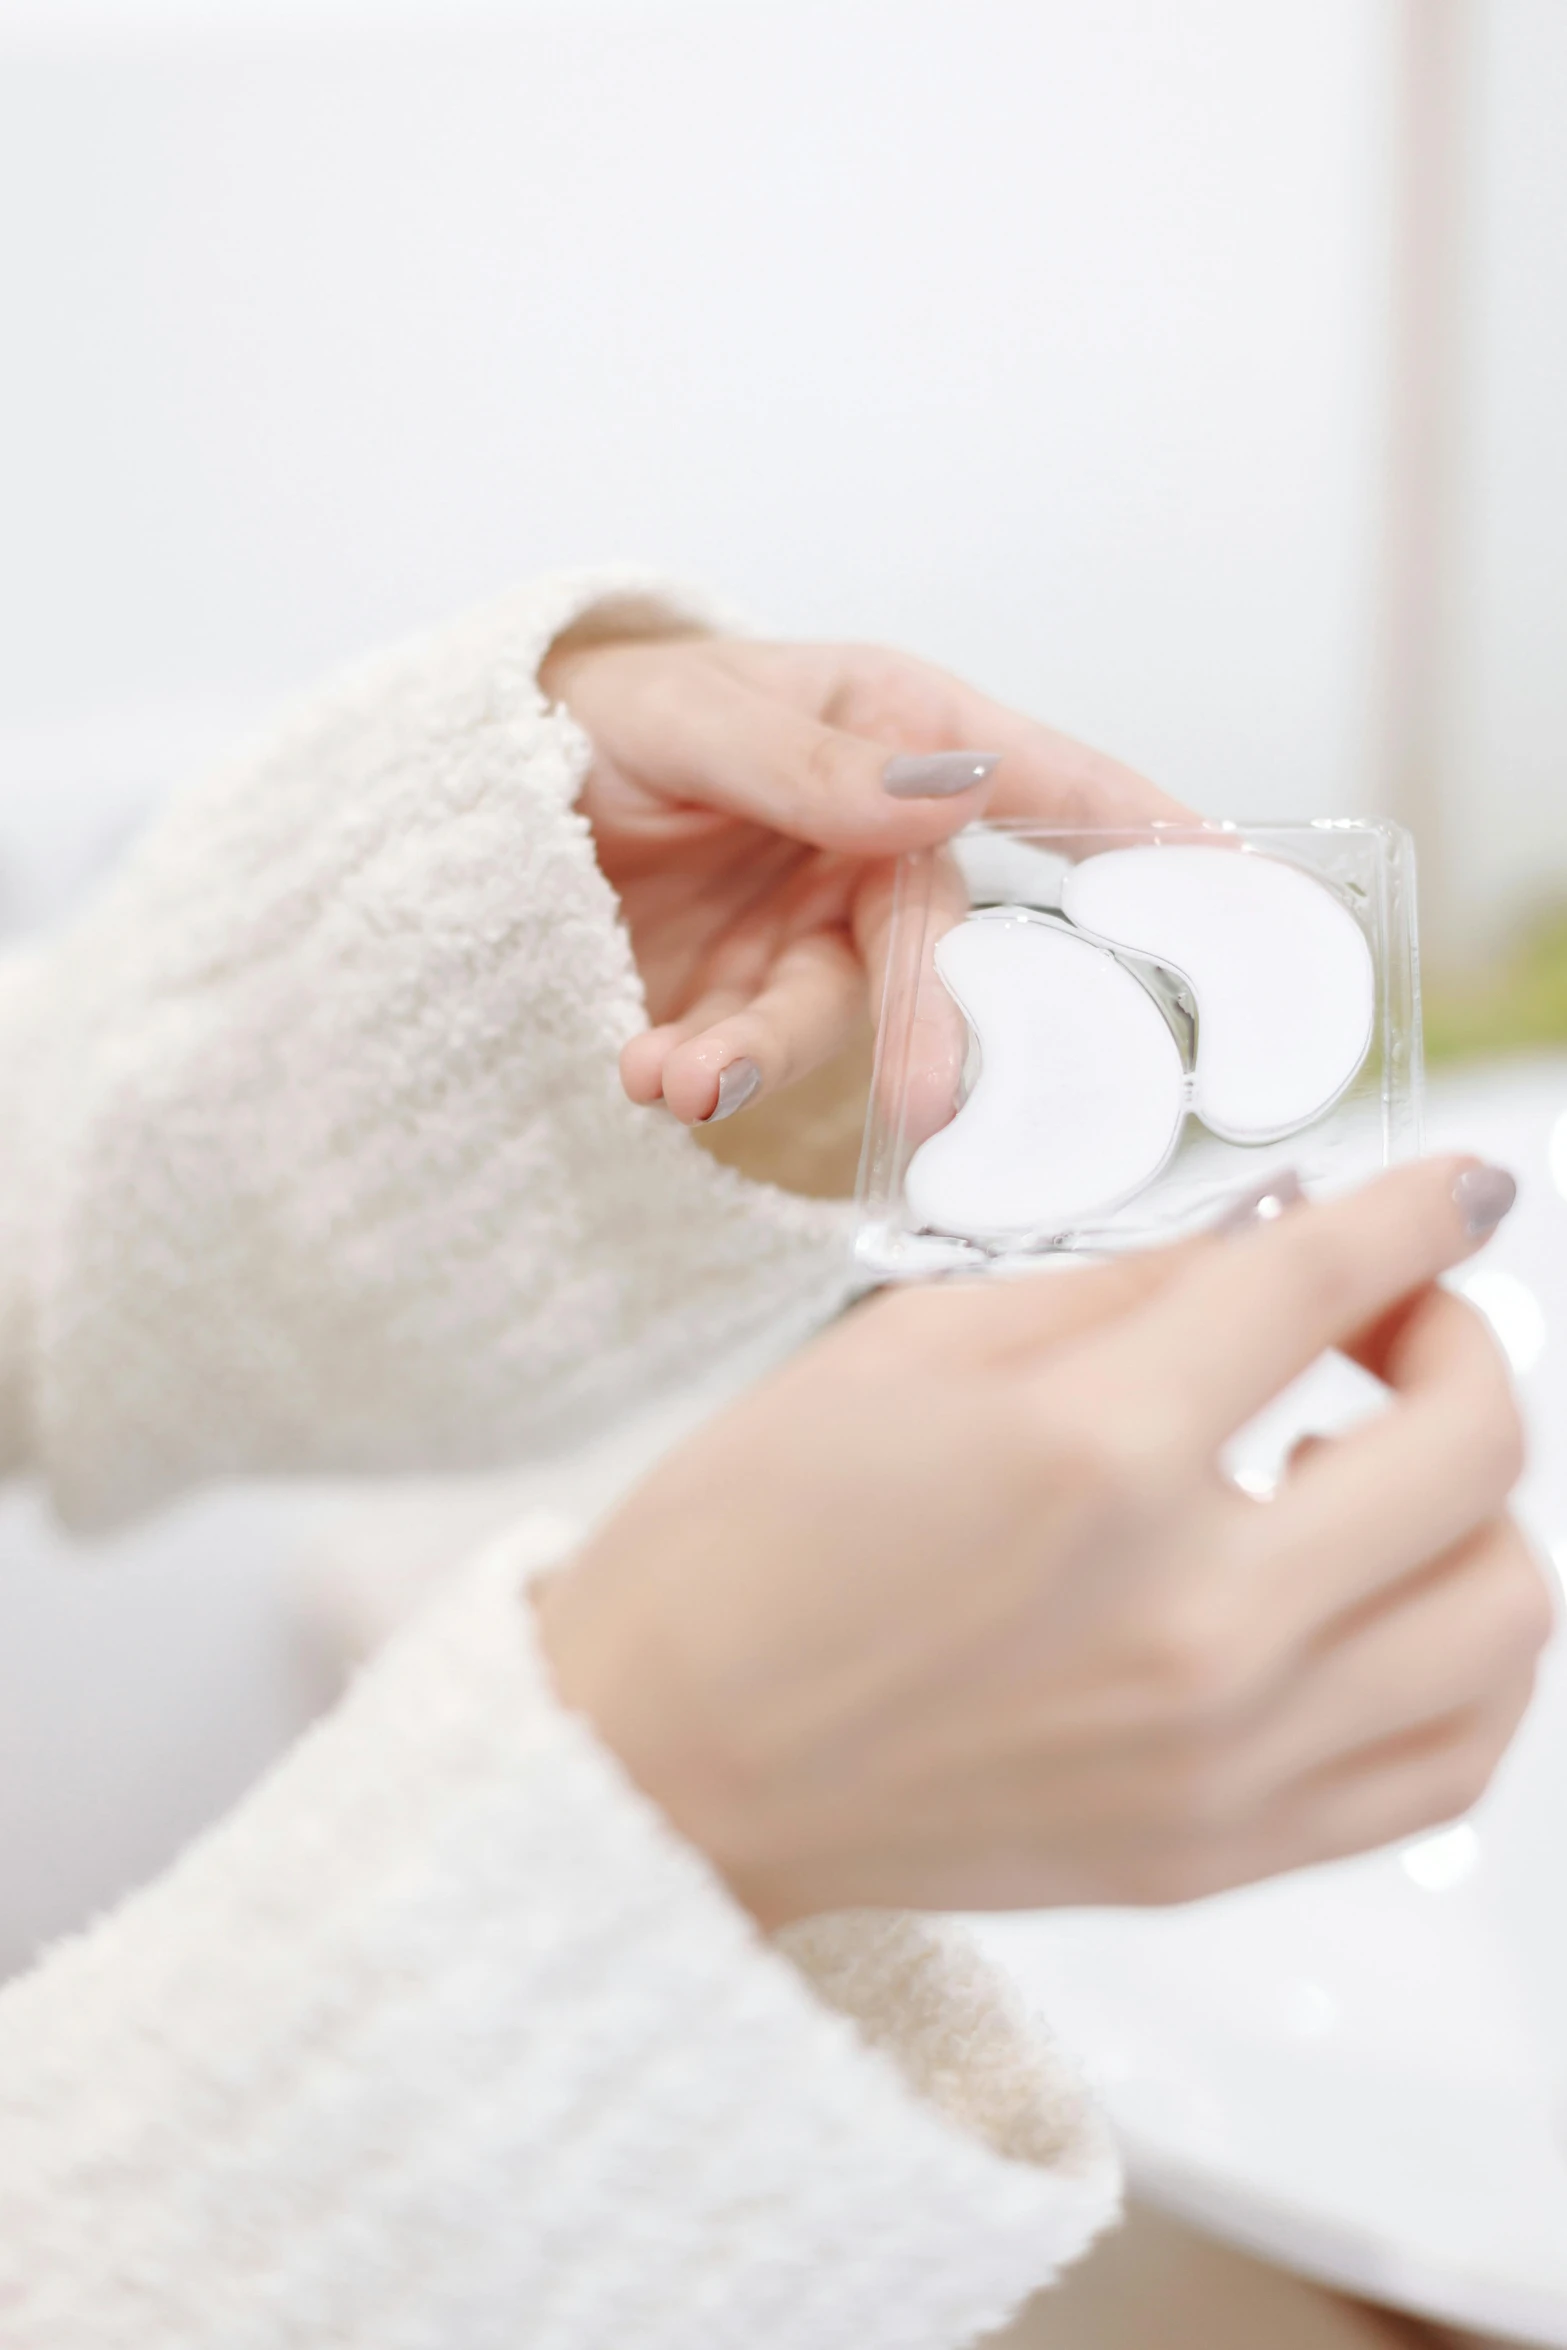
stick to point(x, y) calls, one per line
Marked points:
point(959, 1612)
point(747, 801)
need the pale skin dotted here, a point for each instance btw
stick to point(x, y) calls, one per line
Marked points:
point(958, 1610)
point(737, 806)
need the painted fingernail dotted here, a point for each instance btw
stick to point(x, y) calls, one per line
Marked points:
point(1264, 1203)
point(735, 1088)
point(938, 775)
point(1484, 1196)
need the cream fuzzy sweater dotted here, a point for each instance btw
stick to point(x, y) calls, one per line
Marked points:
point(314, 1157)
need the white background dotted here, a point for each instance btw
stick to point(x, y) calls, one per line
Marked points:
point(1043, 337)
point(1054, 339)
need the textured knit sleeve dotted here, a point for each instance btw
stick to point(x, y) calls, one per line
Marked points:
point(444, 2038)
point(315, 1155)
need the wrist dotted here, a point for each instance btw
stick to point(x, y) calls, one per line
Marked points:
point(612, 1672)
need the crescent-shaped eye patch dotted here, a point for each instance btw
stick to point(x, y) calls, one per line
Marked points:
point(1081, 1087)
point(1281, 971)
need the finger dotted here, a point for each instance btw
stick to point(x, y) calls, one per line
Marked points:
point(742, 960)
point(799, 738)
point(1398, 1788)
point(1055, 779)
point(1044, 774)
point(644, 1058)
point(806, 1012)
point(729, 746)
point(1009, 1318)
point(1449, 1641)
point(913, 706)
point(1382, 1499)
point(1209, 1351)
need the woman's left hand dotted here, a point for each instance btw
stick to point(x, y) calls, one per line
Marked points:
point(748, 802)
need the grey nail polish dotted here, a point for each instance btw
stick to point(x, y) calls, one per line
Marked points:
point(937, 775)
point(1264, 1203)
point(735, 1088)
point(1484, 1196)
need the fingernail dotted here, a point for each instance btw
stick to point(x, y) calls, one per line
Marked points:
point(938, 775)
point(1484, 1196)
point(735, 1088)
point(1264, 1203)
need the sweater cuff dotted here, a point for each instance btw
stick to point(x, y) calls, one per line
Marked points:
point(446, 2020)
point(334, 1170)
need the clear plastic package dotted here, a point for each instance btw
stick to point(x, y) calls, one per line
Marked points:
point(1092, 1041)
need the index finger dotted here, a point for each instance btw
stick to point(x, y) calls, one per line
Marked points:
point(1388, 1498)
point(1239, 1323)
point(1055, 779)
point(815, 758)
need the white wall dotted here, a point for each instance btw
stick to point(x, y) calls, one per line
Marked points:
point(1044, 337)
point(1506, 794)
point(1039, 335)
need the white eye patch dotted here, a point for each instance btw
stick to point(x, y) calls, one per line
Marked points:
point(1081, 1090)
point(1174, 979)
point(1279, 966)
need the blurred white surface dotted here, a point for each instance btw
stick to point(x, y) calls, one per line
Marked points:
point(1362, 2070)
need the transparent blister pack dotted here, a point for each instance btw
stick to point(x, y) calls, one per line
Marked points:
point(1091, 1041)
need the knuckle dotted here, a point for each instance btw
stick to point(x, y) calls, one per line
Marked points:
point(1520, 1699)
point(1156, 1436)
point(1138, 1434)
point(1492, 1428)
point(1181, 1872)
point(1118, 1479)
point(1205, 1793)
point(1478, 1373)
point(1458, 1778)
point(1526, 1610)
point(1508, 1715)
point(1323, 1273)
point(1201, 1659)
point(826, 766)
point(1082, 1478)
point(1443, 1798)
point(1508, 1457)
point(1098, 1460)
point(1465, 1776)
point(1542, 1620)
point(1035, 1467)
point(876, 687)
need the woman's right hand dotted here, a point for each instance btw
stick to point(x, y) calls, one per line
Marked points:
point(958, 1611)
